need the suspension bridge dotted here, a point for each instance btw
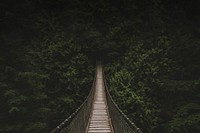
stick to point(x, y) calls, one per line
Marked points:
point(98, 113)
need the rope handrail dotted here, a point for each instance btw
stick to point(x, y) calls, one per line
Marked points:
point(122, 124)
point(78, 121)
point(67, 126)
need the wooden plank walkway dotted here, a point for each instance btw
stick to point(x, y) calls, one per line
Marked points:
point(99, 119)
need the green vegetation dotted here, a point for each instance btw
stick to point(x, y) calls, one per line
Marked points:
point(151, 52)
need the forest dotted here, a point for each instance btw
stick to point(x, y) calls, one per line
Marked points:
point(150, 50)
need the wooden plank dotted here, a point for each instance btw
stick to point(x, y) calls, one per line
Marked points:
point(99, 118)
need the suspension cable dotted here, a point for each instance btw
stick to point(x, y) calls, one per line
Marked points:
point(120, 122)
point(77, 121)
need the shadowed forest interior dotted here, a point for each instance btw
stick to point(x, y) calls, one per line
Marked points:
point(150, 50)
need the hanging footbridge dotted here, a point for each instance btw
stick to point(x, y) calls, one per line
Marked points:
point(98, 113)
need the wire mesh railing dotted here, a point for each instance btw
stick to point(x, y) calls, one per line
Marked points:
point(120, 122)
point(78, 121)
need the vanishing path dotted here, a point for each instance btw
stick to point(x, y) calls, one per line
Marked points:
point(99, 119)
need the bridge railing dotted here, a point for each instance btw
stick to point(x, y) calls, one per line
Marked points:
point(78, 121)
point(120, 122)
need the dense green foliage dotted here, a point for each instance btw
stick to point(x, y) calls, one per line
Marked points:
point(156, 82)
point(44, 75)
point(151, 51)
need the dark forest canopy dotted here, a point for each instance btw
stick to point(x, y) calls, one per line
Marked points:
point(150, 48)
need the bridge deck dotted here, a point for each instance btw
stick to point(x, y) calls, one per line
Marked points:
point(99, 119)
